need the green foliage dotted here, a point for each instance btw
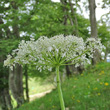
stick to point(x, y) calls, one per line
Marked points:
point(104, 33)
point(106, 3)
point(3, 77)
point(33, 73)
point(6, 46)
point(86, 91)
point(83, 25)
point(38, 18)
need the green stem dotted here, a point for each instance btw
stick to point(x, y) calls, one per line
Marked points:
point(75, 57)
point(59, 89)
point(71, 63)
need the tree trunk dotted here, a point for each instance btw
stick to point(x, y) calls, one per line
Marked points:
point(16, 19)
point(26, 83)
point(1, 22)
point(2, 101)
point(8, 33)
point(12, 87)
point(16, 84)
point(74, 22)
point(68, 71)
point(19, 81)
point(92, 8)
point(74, 19)
point(16, 76)
point(8, 98)
point(64, 3)
point(5, 99)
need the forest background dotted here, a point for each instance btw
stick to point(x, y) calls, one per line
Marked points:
point(25, 19)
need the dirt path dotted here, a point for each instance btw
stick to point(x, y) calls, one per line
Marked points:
point(38, 95)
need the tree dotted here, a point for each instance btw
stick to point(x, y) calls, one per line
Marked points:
point(104, 34)
point(26, 82)
point(5, 99)
point(6, 47)
point(92, 8)
point(74, 18)
point(16, 76)
point(65, 17)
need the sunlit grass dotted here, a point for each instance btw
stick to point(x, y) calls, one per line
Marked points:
point(38, 86)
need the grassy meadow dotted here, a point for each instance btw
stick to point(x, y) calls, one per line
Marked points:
point(88, 91)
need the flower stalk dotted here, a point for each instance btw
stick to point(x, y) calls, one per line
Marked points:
point(59, 89)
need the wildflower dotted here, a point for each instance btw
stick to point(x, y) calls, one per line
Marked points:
point(106, 84)
point(101, 83)
point(82, 74)
point(78, 101)
point(88, 86)
point(73, 97)
point(74, 86)
point(50, 100)
point(102, 72)
point(53, 106)
point(95, 88)
point(97, 80)
point(98, 94)
point(49, 49)
point(75, 79)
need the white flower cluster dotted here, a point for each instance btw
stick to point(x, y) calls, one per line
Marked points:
point(46, 53)
point(92, 45)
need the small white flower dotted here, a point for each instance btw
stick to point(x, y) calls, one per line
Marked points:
point(63, 55)
point(11, 67)
point(57, 50)
point(49, 49)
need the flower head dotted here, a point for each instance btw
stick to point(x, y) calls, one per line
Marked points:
point(106, 84)
point(98, 93)
point(46, 52)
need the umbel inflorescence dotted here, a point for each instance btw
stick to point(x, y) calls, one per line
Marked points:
point(46, 52)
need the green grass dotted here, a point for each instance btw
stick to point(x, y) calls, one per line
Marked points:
point(89, 91)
